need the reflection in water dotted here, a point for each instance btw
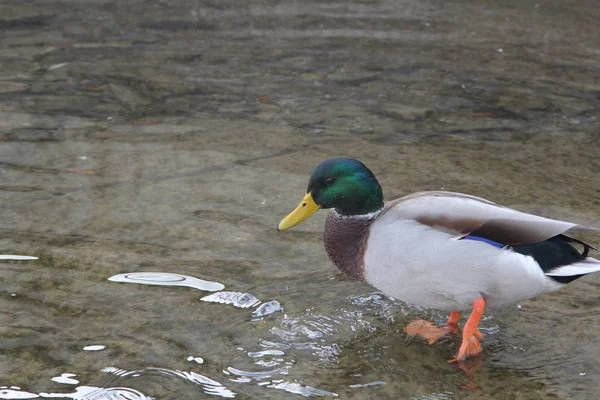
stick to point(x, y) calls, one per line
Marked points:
point(167, 279)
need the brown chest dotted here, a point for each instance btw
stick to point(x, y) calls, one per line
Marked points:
point(345, 240)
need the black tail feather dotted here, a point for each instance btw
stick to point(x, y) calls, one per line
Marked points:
point(554, 253)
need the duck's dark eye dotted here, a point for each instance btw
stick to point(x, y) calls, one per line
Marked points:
point(328, 181)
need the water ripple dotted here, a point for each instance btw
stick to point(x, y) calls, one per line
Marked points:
point(435, 396)
point(267, 308)
point(209, 386)
point(237, 299)
point(306, 391)
point(257, 374)
point(81, 393)
point(257, 354)
point(310, 332)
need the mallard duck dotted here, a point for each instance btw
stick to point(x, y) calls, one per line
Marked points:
point(440, 250)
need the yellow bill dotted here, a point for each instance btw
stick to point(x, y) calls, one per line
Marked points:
point(304, 210)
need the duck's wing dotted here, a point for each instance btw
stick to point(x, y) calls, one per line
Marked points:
point(463, 215)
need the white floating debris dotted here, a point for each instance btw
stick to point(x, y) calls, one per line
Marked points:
point(500, 51)
point(362, 385)
point(167, 279)
point(57, 66)
point(435, 396)
point(6, 393)
point(267, 308)
point(199, 360)
point(242, 300)
point(67, 379)
point(94, 347)
point(14, 257)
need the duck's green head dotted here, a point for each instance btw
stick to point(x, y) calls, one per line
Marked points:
point(342, 183)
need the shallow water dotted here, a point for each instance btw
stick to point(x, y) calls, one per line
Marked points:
point(171, 137)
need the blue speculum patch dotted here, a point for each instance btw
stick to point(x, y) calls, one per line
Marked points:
point(488, 241)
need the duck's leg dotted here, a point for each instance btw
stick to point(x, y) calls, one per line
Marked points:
point(452, 323)
point(430, 331)
point(470, 344)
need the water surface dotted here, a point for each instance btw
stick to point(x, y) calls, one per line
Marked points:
point(170, 137)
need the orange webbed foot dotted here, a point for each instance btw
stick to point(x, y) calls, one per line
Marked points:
point(470, 347)
point(427, 330)
point(470, 342)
